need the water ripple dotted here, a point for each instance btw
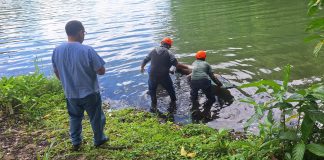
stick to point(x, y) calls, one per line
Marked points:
point(245, 40)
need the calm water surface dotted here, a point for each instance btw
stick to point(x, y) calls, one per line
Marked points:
point(245, 40)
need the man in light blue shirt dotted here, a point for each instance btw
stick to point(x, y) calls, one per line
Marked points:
point(77, 66)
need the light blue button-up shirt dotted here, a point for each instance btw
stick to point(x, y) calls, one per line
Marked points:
point(77, 65)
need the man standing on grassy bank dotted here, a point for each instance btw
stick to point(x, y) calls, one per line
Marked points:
point(77, 66)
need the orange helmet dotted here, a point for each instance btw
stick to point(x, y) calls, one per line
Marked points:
point(167, 40)
point(201, 54)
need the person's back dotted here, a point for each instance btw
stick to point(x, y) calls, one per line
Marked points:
point(78, 72)
point(202, 78)
point(200, 70)
point(77, 66)
point(161, 61)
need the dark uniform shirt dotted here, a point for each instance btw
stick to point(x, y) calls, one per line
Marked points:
point(161, 61)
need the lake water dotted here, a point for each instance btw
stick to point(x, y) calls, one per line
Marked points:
point(245, 40)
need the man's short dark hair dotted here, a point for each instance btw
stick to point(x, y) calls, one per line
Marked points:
point(72, 28)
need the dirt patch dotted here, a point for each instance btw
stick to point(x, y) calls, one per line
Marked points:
point(18, 141)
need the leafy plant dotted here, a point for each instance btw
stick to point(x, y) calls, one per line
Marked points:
point(316, 26)
point(304, 105)
point(31, 94)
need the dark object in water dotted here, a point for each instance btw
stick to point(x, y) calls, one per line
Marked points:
point(183, 69)
point(223, 94)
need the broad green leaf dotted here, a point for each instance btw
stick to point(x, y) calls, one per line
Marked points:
point(312, 37)
point(287, 156)
point(283, 105)
point(249, 100)
point(312, 2)
point(260, 90)
point(270, 116)
point(317, 91)
point(317, 149)
point(288, 135)
point(274, 85)
point(318, 47)
point(316, 115)
point(314, 87)
point(306, 127)
point(252, 84)
point(305, 108)
point(313, 6)
point(298, 151)
point(318, 96)
point(312, 10)
point(316, 24)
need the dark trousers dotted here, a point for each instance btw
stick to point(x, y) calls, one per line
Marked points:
point(206, 87)
point(92, 105)
point(166, 83)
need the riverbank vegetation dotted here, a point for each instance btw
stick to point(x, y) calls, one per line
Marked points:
point(34, 124)
point(316, 26)
point(299, 131)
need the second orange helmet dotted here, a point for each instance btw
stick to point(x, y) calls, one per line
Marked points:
point(201, 54)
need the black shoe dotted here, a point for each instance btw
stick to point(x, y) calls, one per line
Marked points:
point(76, 147)
point(206, 116)
point(101, 143)
point(154, 110)
point(153, 107)
point(196, 116)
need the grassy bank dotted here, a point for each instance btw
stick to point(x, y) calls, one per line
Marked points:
point(34, 125)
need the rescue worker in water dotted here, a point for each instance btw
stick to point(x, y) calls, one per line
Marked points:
point(161, 61)
point(202, 78)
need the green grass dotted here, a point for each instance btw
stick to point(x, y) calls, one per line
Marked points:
point(140, 135)
point(134, 134)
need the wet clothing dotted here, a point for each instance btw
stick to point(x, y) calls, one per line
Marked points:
point(202, 70)
point(77, 65)
point(201, 80)
point(161, 61)
point(206, 87)
point(166, 83)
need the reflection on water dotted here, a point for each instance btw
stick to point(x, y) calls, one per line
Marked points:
point(245, 40)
